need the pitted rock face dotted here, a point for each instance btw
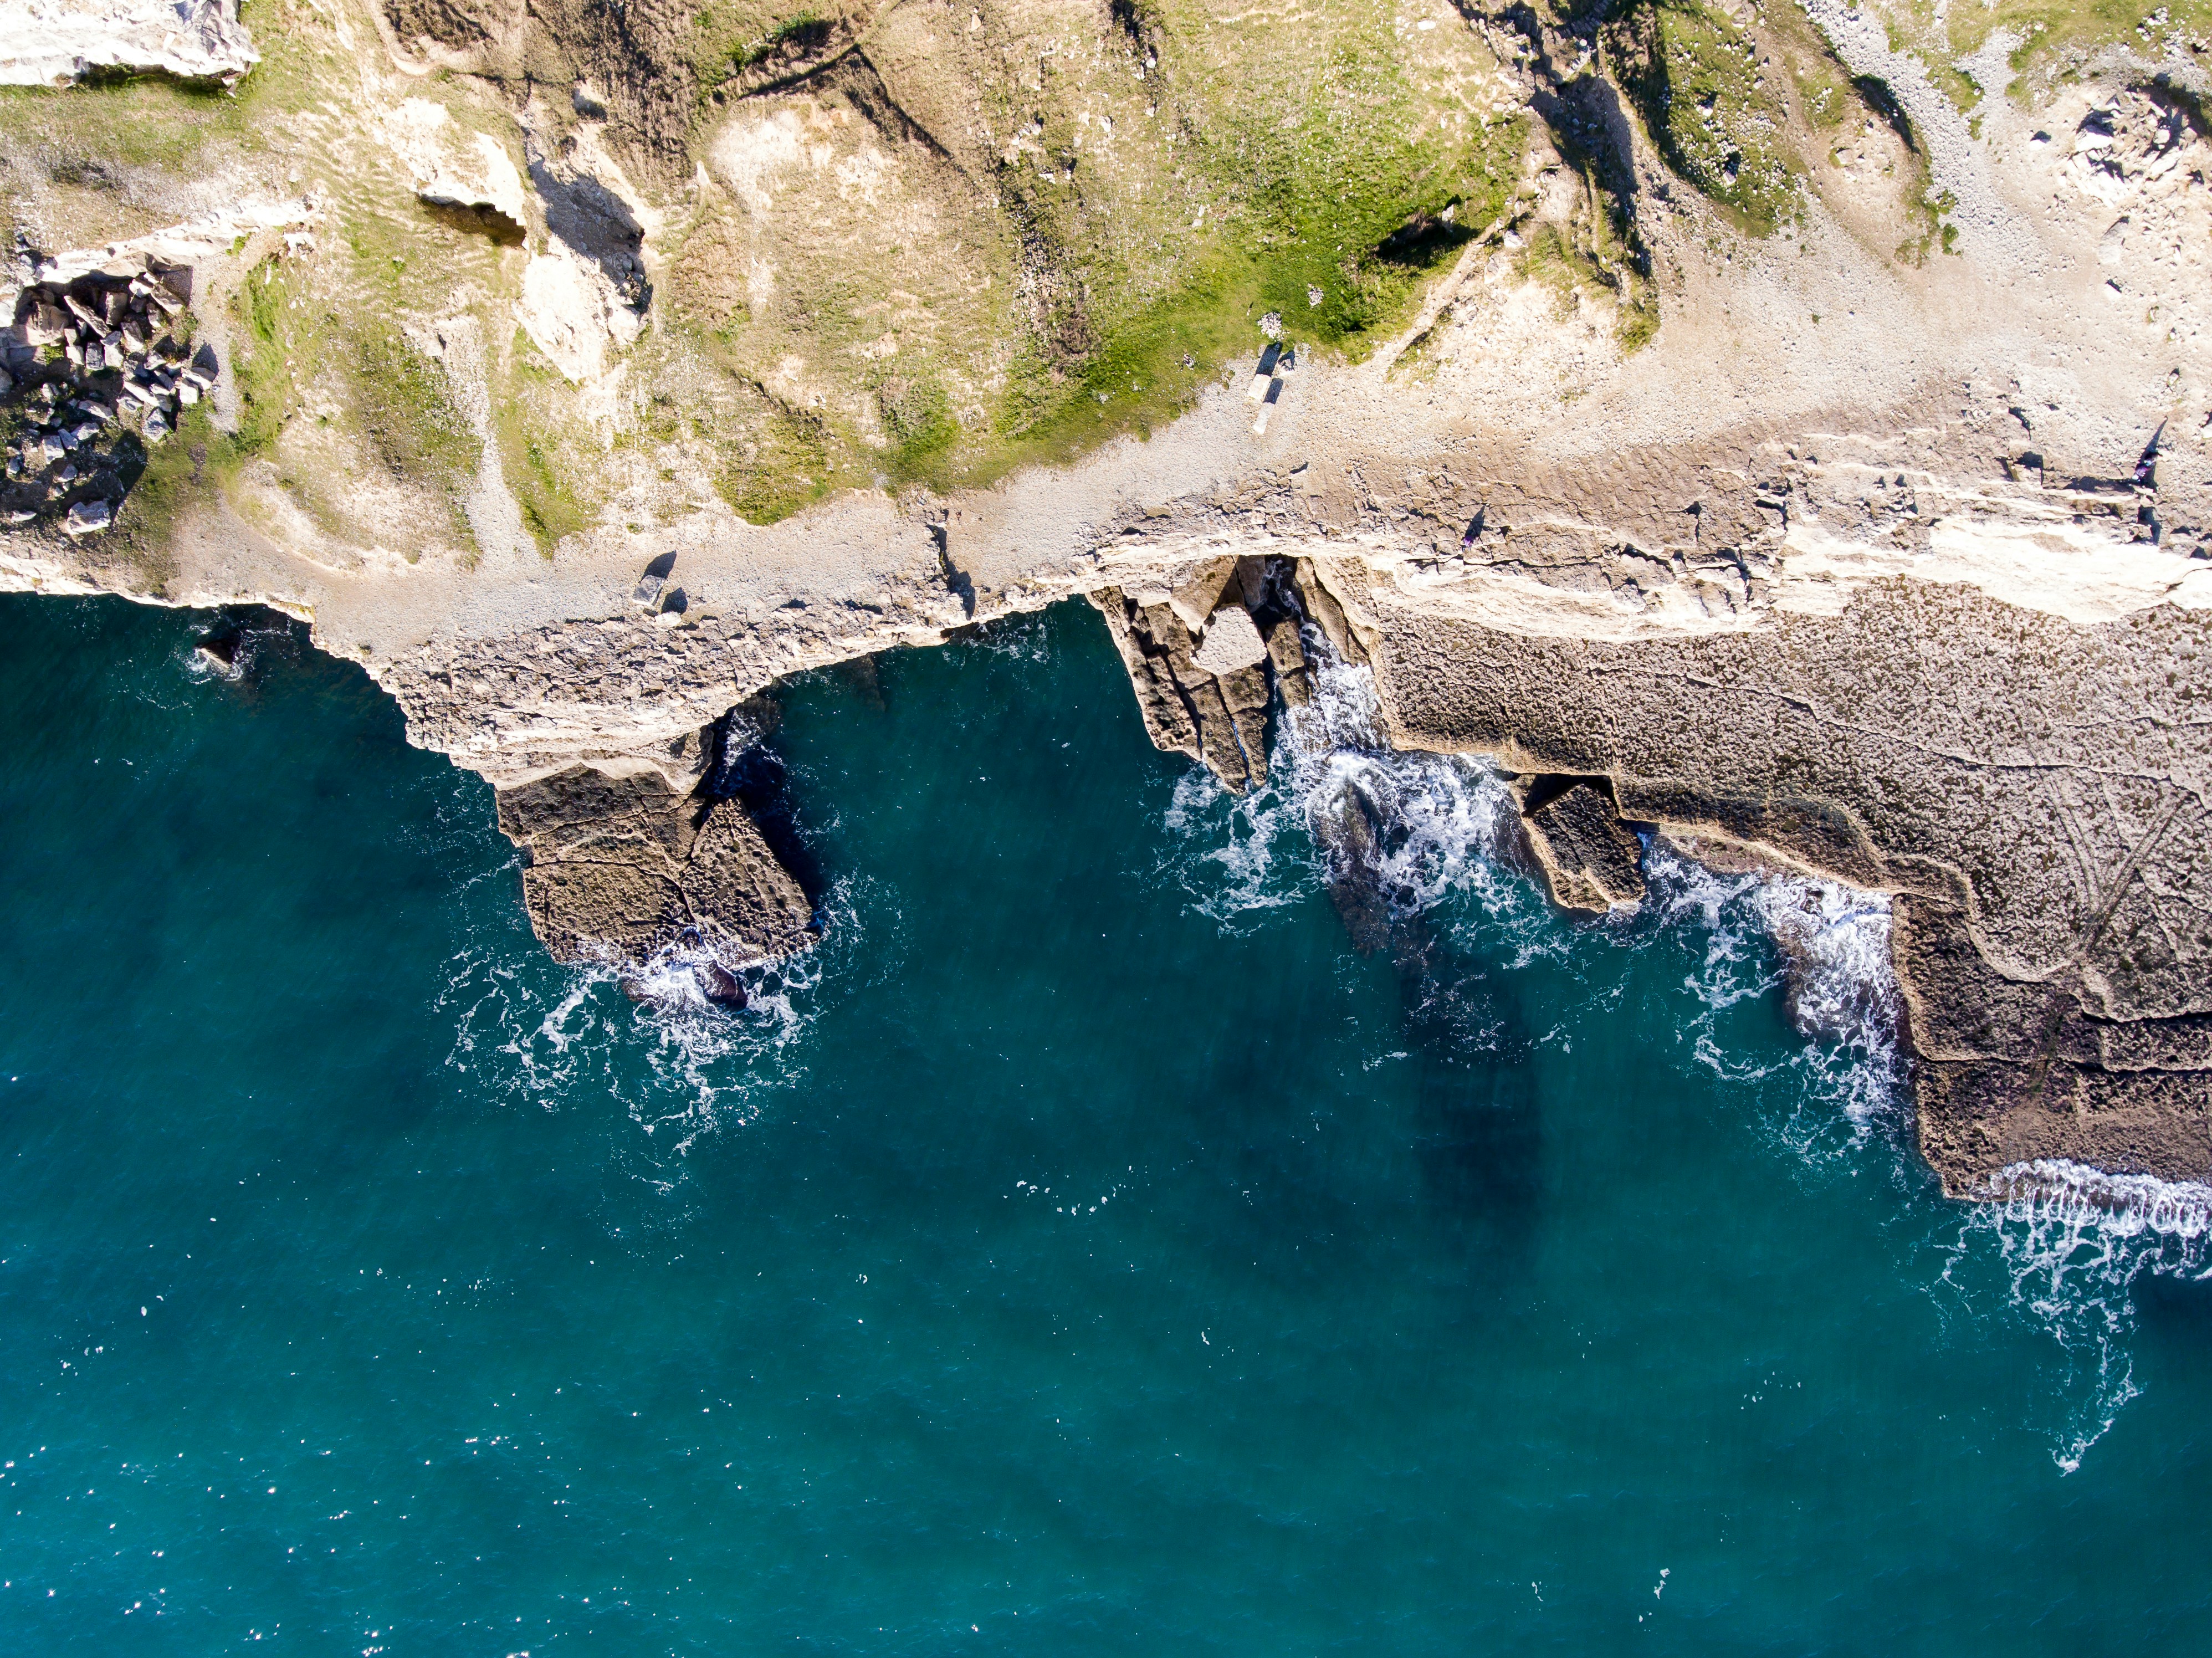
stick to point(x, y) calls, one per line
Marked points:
point(1590, 857)
point(623, 867)
point(2037, 804)
point(1210, 699)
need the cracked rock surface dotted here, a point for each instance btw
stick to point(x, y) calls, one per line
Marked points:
point(2033, 793)
point(624, 865)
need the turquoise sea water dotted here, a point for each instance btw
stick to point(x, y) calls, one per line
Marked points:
point(1086, 1252)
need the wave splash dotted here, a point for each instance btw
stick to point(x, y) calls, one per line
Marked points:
point(1438, 823)
point(2058, 1244)
point(2068, 1244)
point(546, 1037)
point(1826, 947)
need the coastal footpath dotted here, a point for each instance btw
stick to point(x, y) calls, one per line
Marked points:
point(1760, 429)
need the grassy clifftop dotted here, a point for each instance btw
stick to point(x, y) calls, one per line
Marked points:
point(751, 251)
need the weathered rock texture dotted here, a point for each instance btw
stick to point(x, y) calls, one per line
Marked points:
point(1207, 658)
point(1589, 857)
point(624, 864)
point(1817, 484)
point(2032, 791)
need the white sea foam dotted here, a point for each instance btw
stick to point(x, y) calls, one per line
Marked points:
point(1441, 817)
point(1827, 946)
point(2068, 1244)
point(2056, 1191)
point(554, 1038)
point(2055, 1244)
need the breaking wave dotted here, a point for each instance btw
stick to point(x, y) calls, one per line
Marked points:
point(2064, 1245)
point(545, 1036)
point(1444, 817)
point(1826, 947)
point(2057, 1244)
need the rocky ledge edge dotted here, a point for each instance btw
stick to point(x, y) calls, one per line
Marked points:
point(2027, 790)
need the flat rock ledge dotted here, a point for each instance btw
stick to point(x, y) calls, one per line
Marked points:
point(2030, 793)
point(625, 864)
point(1591, 859)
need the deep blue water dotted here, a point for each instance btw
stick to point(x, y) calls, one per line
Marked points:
point(1087, 1251)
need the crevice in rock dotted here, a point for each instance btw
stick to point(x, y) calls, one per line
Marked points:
point(628, 856)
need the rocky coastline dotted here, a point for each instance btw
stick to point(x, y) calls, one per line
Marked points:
point(1884, 561)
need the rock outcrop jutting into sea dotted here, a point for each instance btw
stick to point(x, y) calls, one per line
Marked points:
point(1783, 431)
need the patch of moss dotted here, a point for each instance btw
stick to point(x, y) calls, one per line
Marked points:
point(531, 471)
point(407, 410)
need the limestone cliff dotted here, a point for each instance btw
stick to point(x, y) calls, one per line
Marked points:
point(1783, 430)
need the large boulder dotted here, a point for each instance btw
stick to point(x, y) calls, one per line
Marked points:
point(622, 866)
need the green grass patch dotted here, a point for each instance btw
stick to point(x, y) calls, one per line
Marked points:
point(2050, 33)
point(278, 326)
point(732, 38)
point(535, 476)
point(1694, 79)
point(162, 483)
point(1338, 223)
point(406, 408)
point(1585, 263)
point(1345, 206)
point(918, 419)
point(398, 397)
point(788, 466)
point(2054, 39)
point(133, 120)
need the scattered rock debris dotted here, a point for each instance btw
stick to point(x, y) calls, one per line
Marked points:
point(101, 368)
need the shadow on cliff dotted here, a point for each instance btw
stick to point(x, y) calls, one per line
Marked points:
point(751, 772)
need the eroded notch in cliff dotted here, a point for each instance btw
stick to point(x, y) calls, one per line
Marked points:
point(1206, 659)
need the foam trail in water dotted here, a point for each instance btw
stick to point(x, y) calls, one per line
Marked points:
point(1439, 819)
point(1827, 946)
point(547, 1037)
point(2071, 1242)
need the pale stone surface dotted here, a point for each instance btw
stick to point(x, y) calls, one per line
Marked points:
point(1232, 642)
point(54, 42)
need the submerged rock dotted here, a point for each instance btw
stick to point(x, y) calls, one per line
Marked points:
point(719, 985)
